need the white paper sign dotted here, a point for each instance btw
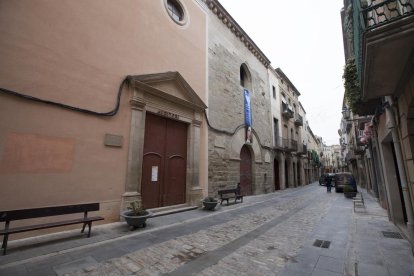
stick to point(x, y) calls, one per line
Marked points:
point(154, 174)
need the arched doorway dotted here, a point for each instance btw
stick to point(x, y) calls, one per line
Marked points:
point(299, 165)
point(276, 174)
point(246, 171)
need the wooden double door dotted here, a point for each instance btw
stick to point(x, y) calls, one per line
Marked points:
point(164, 162)
point(246, 171)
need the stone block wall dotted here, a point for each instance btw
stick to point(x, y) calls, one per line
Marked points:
point(226, 54)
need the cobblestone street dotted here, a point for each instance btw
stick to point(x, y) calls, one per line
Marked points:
point(270, 234)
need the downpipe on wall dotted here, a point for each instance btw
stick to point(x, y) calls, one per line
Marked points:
point(401, 169)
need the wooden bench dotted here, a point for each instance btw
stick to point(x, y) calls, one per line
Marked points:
point(358, 201)
point(230, 193)
point(12, 215)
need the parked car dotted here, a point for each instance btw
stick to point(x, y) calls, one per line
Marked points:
point(343, 179)
point(323, 177)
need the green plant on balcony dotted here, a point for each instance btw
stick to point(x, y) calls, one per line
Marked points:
point(352, 86)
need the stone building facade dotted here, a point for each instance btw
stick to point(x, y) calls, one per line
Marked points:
point(279, 177)
point(372, 31)
point(236, 65)
point(292, 138)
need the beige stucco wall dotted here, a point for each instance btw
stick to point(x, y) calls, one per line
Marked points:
point(77, 53)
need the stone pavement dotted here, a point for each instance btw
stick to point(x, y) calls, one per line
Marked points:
point(358, 246)
point(270, 234)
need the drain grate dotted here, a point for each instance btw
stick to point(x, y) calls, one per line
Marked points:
point(326, 244)
point(322, 243)
point(392, 235)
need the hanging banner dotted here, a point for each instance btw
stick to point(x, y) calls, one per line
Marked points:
point(247, 109)
point(248, 117)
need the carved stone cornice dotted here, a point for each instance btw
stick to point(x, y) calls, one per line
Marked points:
point(137, 103)
point(197, 123)
point(232, 25)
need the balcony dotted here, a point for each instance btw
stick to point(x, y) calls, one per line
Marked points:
point(350, 156)
point(304, 150)
point(287, 111)
point(293, 145)
point(285, 144)
point(386, 46)
point(360, 134)
point(348, 126)
point(359, 150)
point(298, 120)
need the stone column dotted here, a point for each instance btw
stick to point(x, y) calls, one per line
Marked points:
point(195, 191)
point(136, 145)
point(282, 172)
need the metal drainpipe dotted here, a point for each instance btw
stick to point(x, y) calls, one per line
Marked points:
point(401, 170)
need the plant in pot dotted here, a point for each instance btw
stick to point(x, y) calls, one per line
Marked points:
point(209, 203)
point(349, 191)
point(136, 216)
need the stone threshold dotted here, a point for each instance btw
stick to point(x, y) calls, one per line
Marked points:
point(173, 209)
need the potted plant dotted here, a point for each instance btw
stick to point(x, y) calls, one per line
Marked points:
point(209, 203)
point(136, 216)
point(349, 191)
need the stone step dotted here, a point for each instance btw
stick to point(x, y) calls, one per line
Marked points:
point(168, 210)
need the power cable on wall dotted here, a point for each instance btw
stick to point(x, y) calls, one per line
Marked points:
point(110, 113)
point(232, 133)
point(69, 107)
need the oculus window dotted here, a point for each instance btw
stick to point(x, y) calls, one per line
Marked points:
point(176, 11)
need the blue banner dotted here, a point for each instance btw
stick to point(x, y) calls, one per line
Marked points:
point(247, 109)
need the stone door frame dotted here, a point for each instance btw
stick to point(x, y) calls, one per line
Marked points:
point(167, 95)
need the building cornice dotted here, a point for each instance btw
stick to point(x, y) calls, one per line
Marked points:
point(282, 75)
point(232, 25)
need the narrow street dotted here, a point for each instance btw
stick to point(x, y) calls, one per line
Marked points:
point(270, 234)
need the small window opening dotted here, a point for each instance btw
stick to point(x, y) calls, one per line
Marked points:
point(242, 76)
point(175, 10)
point(245, 79)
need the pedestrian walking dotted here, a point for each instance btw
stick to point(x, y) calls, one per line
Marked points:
point(328, 183)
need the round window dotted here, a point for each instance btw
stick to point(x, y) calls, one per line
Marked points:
point(176, 11)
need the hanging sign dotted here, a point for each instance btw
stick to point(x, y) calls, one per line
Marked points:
point(154, 173)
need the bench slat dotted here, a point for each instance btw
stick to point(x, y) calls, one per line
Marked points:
point(47, 211)
point(48, 225)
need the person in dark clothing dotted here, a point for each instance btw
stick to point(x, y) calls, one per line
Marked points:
point(328, 183)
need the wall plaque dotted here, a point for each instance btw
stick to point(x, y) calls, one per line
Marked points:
point(112, 140)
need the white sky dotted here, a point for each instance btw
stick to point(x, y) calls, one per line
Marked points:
point(304, 39)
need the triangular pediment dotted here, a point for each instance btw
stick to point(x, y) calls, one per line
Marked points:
point(171, 86)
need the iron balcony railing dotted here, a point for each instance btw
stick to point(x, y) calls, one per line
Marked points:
point(359, 150)
point(375, 14)
point(382, 12)
point(298, 120)
point(350, 156)
point(293, 145)
point(286, 144)
point(287, 111)
point(304, 149)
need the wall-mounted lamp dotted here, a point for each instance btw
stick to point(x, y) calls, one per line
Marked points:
point(346, 113)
